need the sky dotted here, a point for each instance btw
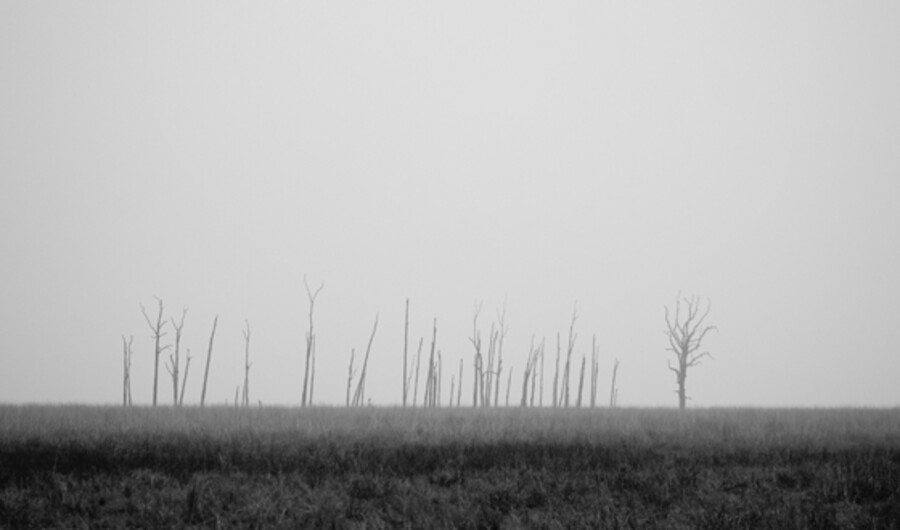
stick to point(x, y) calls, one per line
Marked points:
point(544, 157)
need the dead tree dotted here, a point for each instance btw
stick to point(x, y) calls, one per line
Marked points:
point(212, 335)
point(504, 329)
point(174, 363)
point(350, 373)
point(360, 394)
point(310, 344)
point(685, 338)
point(556, 373)
point(418, 359)
point(613, 391)
point(187, 366)
point(459, 385)
point(541, 402)
point(247, 365)
point(431, 390)
point(158, 334)
point(126, 376)
point(477, 382)
point(569, 348)
point(508, 384)
point(595, 371)
point(405, 344)
point(581, 382)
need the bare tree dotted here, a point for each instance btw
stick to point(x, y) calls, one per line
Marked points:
point(569, 348)
point(504, 329)
point(127, 352)
point(477, 381)
point(613, 391)
point(187, 366)
point(247, 365)
point(595, 370)
point(432, 380)
point(556, 373)
point(685, 338)
point(580, 382)
point(541, 401)
point(212, 335)
point(508, 384)
point(174, 363)
point(406, 380)
point(418, 359)
point(360, 394)
point(350, 373)
point(310, 344)
point(158, 334)
point(459, 385)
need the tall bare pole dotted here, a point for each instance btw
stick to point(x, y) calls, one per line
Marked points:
point(350, 373)
point(685, 338)
point(431, 381)
point(247, 365)
point(212, 335)
point(126, 376)
point(174, 363)
point(543, 342)
point(459, 386)
point(418, 359)
point(508, 384)
point(310, 342)
point(504, 329)
point(187, 367)
point(556, 373)
point(477, 366)
point(158, 334)
point(595, 370)
point(581, 381)
point(569, 348)
point(405, 344)
point(613, 391)
point(360, 394)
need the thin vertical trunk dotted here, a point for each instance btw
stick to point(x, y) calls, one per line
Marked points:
point(405, 344)
point(581, 381)
point(187, 367)
point(612, 390)
point(208, 359)
point(418, 358)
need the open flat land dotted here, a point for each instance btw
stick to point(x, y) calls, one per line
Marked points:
point(96, 467)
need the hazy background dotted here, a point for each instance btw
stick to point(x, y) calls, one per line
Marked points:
point(535, 154)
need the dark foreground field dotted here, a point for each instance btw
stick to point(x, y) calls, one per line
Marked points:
point(385, 468)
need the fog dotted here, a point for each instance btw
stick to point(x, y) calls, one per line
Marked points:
point(533, 156)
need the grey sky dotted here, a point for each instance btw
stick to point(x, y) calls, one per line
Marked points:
point(528, 152)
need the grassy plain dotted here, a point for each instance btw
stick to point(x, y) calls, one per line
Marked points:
point(95, 467)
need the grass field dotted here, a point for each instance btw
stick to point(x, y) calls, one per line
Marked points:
point(96, 467)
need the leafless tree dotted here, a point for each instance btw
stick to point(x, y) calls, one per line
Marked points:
point(613, 391)
point(158, 334)
point(556, 373)
point(501, 334)
point(310, 343)
point(477, 381)
point(212, 335)
point(595, 370)
point(459, 385)
point(569, 348)
point(174, 363)
point(581, 382)
point(541, 402)
point(508, 384)
point(350, 373)
point(247, 365)
point(187, 366)
point(685, 338)
point(431, 390)
point(360, 395)
point(406, 380)
point(418, 359)
point(127, 352)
